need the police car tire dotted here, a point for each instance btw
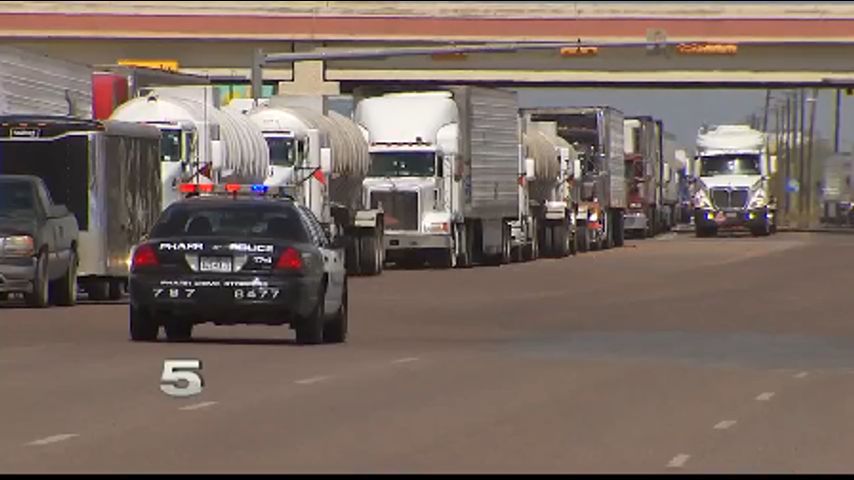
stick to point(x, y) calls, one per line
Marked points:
point(310, 329)
point(143, 328)
point(179, 332)
point(336, 330)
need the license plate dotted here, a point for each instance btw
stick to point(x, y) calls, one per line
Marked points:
point(215, 264)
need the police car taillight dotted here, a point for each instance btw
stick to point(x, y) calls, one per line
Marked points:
point(291, 260)
point(144, 257)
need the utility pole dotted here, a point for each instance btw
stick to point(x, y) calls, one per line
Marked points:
point(802, 155)
point(837, 137)
point(789, 148)
point(810, 193)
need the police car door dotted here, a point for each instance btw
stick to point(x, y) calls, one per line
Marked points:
point(333, 262)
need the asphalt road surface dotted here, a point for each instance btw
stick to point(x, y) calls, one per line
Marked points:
point(670, 355)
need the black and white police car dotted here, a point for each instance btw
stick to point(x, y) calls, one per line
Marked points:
point(235, 255)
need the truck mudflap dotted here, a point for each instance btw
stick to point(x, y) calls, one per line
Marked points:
point(556, 211)
point(368, 219)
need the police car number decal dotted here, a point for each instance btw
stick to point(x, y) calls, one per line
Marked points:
point(256, 293)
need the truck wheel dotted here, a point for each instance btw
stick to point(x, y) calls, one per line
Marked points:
point(143, 328)
point(549, 245)
point(559, 239)
point(115, 290)
point(310, 329)
point(619, 232)
point(573, 240)
point(466, 259)
point(40, 298)
point(64, 290)
point(99, 291)
point(179, 331)
point(583, 237)
point(336, 330)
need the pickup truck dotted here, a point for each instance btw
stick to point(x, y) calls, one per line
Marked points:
point(38, 244)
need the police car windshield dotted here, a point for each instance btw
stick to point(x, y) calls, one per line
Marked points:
point(231, 221)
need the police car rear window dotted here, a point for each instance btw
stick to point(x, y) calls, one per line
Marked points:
point(279, 223)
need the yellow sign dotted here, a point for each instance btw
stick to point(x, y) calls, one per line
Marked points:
point(168, 65)
point(579, 51)
point(707, 49)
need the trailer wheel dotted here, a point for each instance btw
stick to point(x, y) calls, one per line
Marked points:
point(369, 255)
point(559, 238)
point(572, 238)
point(115, 290)
point(619, 232)
point(98, 290)
point(582, 236)
point(549, 245)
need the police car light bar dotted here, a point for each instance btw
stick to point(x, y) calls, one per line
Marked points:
point(233, 189)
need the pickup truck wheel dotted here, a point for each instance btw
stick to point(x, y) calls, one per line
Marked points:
point(310, 329)
point(143, 328)
point(40, 298)
point(336, 330)
point(178, 331)
point(64, 290)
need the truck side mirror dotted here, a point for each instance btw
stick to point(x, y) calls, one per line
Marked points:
point(530, 169)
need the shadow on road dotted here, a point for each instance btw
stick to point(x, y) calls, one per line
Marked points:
point(244, 342)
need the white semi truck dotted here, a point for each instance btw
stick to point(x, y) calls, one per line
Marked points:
point(445, 170)
point(732, 189)
point(322, 157)
point(200, 143)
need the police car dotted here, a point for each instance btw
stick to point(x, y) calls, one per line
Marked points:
point(238, 256)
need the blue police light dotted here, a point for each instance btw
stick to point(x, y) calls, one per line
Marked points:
point(260, 189)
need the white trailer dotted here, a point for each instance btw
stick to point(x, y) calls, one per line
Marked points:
point(445, 170)
point(322, 157)
point(200, 142)
point(34, 84)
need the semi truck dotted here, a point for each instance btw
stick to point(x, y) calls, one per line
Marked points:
point(106, 173)
point(445, 170)
point(732, 190)
point(548, 192)
point(323, 158)
point(200, 142)
point(644, 169)
point(600, 199)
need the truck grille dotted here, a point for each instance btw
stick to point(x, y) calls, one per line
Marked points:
point(725, 198)
point(400, 208)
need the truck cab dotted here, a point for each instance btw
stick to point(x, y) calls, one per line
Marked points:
point(732, 188)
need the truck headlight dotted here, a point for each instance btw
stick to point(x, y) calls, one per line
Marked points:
point(702, 201)
point(439, 227)
point(759, 200)
point(18, 246)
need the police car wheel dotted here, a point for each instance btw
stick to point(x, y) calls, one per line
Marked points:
point(179, 331)
point(143, 328)
point(310, 329)
point(336, 330)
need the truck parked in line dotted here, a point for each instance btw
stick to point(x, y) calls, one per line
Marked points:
point(200, 143)
point(106, 173)
point(644, 162)
point(323, 158)
point(445, 170)
point(732, 190)
point(672, 167)
point(38, 244)
point(597, 134)
point(551, 207)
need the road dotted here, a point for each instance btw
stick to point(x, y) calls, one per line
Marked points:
point(673, 355)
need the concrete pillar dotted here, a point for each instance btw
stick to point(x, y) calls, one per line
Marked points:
point(309, 79)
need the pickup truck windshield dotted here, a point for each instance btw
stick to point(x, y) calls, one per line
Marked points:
point(731, 165)
point(237, 221)
point(16, 199)
point(403, 164)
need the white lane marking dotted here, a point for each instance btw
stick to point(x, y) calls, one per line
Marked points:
point(54, 439)
point(405, 360)
point(725, 425)
point(802, 375)
point(198, 406)
point(765, 397)
point(312, 380)
point(679, 461)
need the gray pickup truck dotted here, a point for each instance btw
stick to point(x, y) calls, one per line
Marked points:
point(38, 244)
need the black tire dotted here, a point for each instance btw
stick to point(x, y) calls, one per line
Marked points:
point(99, 291)
point(336, 330)
point(548, 249)
point(619, 232)
point(573, 241)
point(143, 328)
point(370, 260)
point(40, 298)
point(583, 237)
point(64, 290)
point(115, 290)
point(310, 329)
point(467, 255)
point(178, 331)
point(559, 235)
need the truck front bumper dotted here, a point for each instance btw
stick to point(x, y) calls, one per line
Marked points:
point(636, 221)
point(732, 219)
point(17, 275)
point(395, 241)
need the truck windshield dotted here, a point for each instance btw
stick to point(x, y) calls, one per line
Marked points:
point(282, 151)
point(170, 146)
point(731, 165)
point(403, 164)
point(16, 199)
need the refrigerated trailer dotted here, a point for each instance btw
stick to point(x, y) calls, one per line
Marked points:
point(106, 173)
